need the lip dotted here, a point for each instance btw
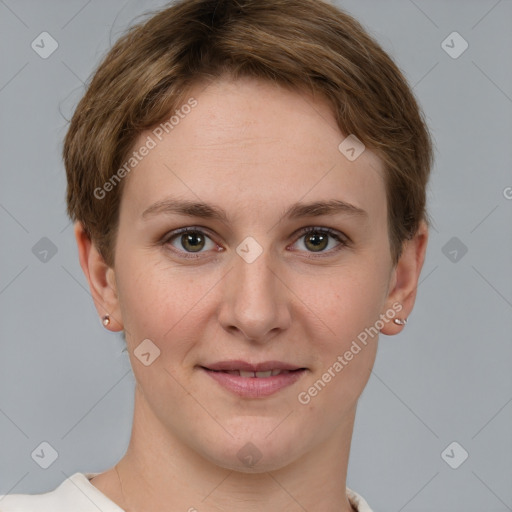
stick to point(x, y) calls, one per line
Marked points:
point(253, 387)
point(248, 367)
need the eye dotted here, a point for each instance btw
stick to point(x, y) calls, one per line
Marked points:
point(189, 240)
point(320, 240)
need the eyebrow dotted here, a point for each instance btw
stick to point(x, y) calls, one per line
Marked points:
point(209, 211)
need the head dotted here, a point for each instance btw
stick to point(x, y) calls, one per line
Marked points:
point(248, 121)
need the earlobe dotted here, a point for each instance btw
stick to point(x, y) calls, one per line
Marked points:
point(101, 279)
point(405, 279)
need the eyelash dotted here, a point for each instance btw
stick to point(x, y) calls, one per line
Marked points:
point(339, 237)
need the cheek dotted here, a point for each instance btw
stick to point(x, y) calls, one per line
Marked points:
point(342, 314)
point(345, 302)
point(158, 300)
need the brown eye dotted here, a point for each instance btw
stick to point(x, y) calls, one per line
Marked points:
point(189, 240)
point(321, 240)
point(192, 242)
point(316, 241)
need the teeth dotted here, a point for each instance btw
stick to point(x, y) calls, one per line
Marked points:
point(264, 374)
point(260, 375)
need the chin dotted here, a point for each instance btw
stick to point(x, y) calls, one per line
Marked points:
point(255, 451)
point(250, 459)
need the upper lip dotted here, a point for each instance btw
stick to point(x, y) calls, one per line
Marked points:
point(251, 367)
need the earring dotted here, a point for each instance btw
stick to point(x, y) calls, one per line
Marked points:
point(105, 320)
point(399, 321)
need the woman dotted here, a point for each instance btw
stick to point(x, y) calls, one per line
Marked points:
point(247, 180)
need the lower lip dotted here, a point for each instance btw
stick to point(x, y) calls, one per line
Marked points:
point(255, 387)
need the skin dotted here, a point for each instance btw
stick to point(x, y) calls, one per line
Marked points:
point(254, 149)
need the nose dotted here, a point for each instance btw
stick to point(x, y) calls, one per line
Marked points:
point(255, 303)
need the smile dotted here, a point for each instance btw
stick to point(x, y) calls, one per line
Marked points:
point(254, 380)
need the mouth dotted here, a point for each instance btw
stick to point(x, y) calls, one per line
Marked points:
point(257, 375)
point(254, 380)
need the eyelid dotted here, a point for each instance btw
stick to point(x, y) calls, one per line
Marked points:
point(323, 229)
point(188, 229)
point(342, 239)
point(166, 239)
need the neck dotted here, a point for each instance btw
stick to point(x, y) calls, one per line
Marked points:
point(149, 475)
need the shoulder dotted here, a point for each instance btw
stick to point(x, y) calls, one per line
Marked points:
point(75, 494)
point(357, 501)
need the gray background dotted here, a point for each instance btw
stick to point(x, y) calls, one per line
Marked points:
point(447, 377)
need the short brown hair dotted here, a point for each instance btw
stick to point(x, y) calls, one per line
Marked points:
point(302, 44)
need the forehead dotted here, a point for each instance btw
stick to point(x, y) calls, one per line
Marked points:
point(247, 143)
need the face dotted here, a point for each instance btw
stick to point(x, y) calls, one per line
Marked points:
point(285, 262)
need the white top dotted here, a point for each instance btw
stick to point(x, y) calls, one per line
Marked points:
point(77, 494)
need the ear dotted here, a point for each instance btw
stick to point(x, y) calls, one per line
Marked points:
point(404, 278)
point(101, 279)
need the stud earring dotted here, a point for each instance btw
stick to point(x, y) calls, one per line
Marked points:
point(105, 320)
point(399, 321)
